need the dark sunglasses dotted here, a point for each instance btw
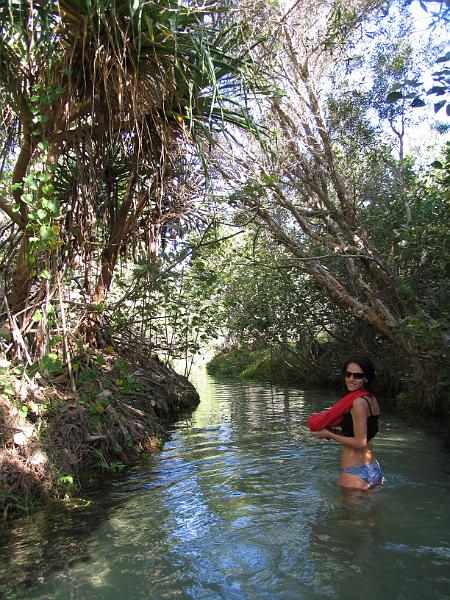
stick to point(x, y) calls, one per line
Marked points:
point(349, 374)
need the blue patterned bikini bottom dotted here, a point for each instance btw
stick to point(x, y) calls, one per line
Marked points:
point(370, 473)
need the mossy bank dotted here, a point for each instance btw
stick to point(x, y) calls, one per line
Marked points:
point(54, 442)
point(259, 363)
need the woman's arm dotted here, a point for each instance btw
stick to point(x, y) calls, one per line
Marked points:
point(359, 439)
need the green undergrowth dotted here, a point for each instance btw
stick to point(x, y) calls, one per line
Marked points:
point(262, 364)
point(54, 442)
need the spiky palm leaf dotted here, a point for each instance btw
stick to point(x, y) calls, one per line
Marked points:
point(120, 61)
point(118, 81)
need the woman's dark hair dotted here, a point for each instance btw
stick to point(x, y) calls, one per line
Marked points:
point(366, 365)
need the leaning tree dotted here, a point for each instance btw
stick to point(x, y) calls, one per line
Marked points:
point(314, 197)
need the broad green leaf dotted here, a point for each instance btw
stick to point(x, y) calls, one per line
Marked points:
point(438, 90)
point(37, 317)
point(51, 205)
point(27, 198)
point(48, 189)
point(417, 102)
point(51, 362)
point(394, 96)
point(439, 105)
point(45, 232)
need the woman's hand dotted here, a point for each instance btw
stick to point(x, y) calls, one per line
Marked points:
point(322, 434)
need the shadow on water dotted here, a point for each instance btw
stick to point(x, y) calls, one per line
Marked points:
point(51, 539)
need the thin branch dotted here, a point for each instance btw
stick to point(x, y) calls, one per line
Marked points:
point(64, 336)
point(14, 216)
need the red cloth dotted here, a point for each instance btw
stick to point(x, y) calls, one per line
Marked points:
point(333, 416)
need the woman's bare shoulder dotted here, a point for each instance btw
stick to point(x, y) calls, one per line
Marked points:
point(362, 400)
point(361, 403)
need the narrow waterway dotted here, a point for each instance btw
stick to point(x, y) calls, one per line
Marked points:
point(243, 504)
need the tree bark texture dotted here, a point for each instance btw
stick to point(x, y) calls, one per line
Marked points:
point(301, 198)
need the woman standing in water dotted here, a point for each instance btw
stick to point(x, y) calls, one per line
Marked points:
point(357, 415)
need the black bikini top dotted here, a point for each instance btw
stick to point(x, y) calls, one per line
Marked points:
point(372, 423)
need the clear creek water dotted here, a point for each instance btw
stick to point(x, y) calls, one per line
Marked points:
point(243, 504)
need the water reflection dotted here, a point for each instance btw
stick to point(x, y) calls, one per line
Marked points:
point(243, 504)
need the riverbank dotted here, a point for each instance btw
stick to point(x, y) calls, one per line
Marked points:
point(262, 364)
point(319, 369)
point(55, 440)
point(278, 365)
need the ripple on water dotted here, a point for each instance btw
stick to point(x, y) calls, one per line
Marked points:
point(243, 504)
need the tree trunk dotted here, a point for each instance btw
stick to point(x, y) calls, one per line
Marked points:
point(428, 383)
point(22, 278)
point(126, 221)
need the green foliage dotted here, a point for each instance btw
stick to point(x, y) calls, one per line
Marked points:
point(87, 374)
point(231, 363)
point(260, 364)
point(101, 149)
point(406, 402)
point(243, 363)
point(50, 363)
point(413, 89)
point(66, 480)
point(395, 71)
point(107, 465)
point(96, 70)
point(176, 308)
point(6, 378)
point(12, 503)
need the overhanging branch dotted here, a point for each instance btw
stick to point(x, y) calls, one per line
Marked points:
point(14, 216)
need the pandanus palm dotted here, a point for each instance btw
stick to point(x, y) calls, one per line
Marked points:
point(115, 89)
